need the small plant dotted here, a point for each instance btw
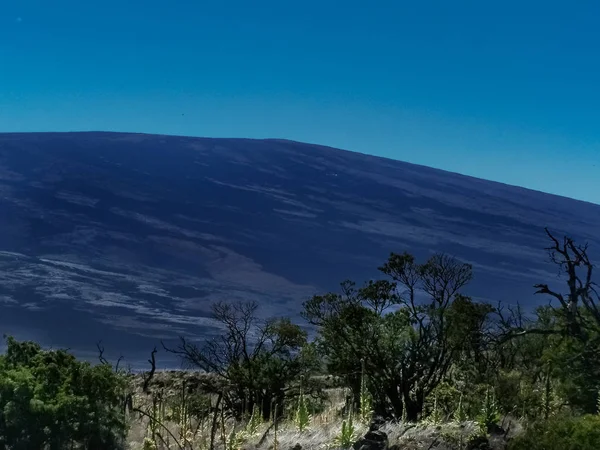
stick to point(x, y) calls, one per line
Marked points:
point(302, 417)
point(235, 440)
point(436, 414)
point(275, 441)
point(460, 415)
point(254, 422)
point(490, 415)
point(156, 419)
point(185, 428)
point(203, 441)
point(149, 444)
point(366, 401)
point(348, 434)
point(223, 436)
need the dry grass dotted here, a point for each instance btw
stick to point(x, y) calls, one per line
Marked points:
point(320, 435)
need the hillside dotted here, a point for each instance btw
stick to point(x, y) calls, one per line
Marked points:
point(129, 237)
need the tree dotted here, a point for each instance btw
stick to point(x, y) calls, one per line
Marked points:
point(255, 361)
point(571, 323)
point(51, 400)
point(578, 310)
point(407, 346)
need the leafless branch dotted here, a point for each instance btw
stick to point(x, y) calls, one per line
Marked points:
point(101, 357)
point(150, 375)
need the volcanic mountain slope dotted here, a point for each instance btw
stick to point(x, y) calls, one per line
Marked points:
point(128, 238)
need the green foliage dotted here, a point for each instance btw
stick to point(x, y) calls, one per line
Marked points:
point(460, 415)
point(149, 444)
point(254, 422)
point(576, 369)
point(441, 357)
point(235, 440)
point(348, 434)
point(257, 358)
point(560, 433)
point(302, 417)
point(517, 394)
point(366, 399)
point(436, 415)
point(157, 418)
point(442, 402)
point(490, 414)
point(49, 398)
point(275, 428)
point(407, 346)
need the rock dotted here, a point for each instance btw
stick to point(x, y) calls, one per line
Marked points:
point(376, 435)
point(376, 423)
point(296, 447)
point(495, 429)
point(479, 443)
point(373, 440)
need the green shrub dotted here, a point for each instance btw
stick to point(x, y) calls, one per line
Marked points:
point(560, 433)
point(49, 399)
point(442, 402)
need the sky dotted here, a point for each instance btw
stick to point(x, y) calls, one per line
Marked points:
point(503, 90)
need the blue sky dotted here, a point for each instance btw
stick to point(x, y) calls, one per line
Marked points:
point(507, 91)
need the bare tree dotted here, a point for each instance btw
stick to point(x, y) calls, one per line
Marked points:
point(256, 359)
point(578, 308)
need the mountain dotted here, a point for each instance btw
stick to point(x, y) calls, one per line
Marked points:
point(128, 238)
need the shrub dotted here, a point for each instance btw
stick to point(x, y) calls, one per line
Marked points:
point(49, 399)
point(560, 433)
point(443, 402)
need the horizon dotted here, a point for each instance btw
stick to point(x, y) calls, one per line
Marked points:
point(505, 93)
